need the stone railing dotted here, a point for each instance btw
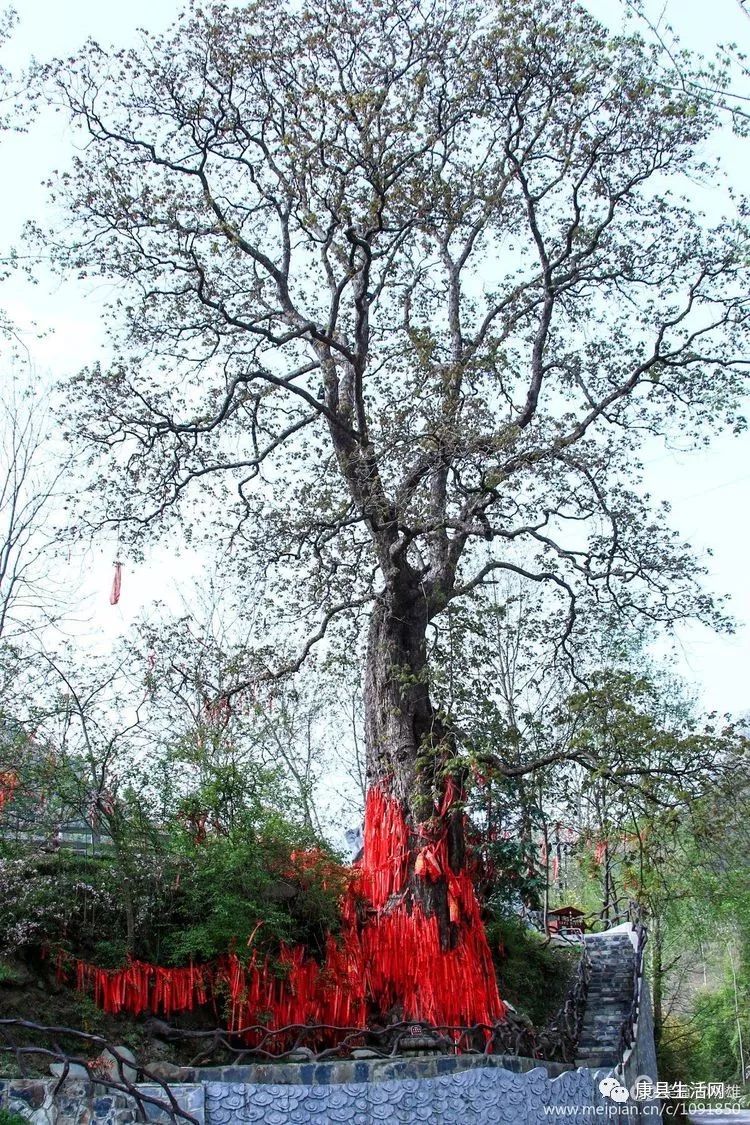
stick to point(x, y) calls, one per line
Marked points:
point(560, 1039)
point(629, 1030)
point(637, 1044)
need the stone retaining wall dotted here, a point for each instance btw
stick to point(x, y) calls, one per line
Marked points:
point(478, 1095)
point(338, 1071)
point(74, 1104)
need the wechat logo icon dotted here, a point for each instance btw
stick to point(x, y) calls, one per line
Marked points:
point(612, 1089)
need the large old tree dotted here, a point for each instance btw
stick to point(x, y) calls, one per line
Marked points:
point(399, 292)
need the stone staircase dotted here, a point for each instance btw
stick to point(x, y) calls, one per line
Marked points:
point(609, 998)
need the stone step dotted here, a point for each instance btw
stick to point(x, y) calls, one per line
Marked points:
point(619, 973)
point(619, 958)
point(597, 1062)
point(610, 949)
point(611, 986)
point(611, 995)
point(610, 957)
point(608, 1001)
point(608, 1026)
point(614, 941)
point(620, 969)
point(608, 938)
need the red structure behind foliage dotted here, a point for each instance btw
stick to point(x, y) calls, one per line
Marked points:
point(8, 785)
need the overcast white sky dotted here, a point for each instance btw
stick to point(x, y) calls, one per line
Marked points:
point(709, 490)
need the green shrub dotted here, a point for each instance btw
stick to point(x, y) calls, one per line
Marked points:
point(9, 1118)
point(532, 974)
point(705, 1048)
point(183, 874)
point(7, 976)
point(46, 897)
point(246, 885)
point(180, 899)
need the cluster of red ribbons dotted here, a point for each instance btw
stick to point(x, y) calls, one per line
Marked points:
point(392, 963)
point(405, 966)
point(410, 973)
point(385, 857)
point(544, 859)
point(297, 989)
point(293, 988)
point(628, 840)
point(139, 986)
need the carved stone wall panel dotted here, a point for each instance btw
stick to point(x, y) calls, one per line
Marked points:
point(481, 1096)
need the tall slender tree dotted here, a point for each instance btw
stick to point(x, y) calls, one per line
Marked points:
point(30, 487)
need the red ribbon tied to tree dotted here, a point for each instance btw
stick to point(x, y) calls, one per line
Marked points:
point(114, 596)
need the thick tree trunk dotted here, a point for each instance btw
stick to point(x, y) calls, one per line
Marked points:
point(399, 717)
point(408, 745)
point(422, 931)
